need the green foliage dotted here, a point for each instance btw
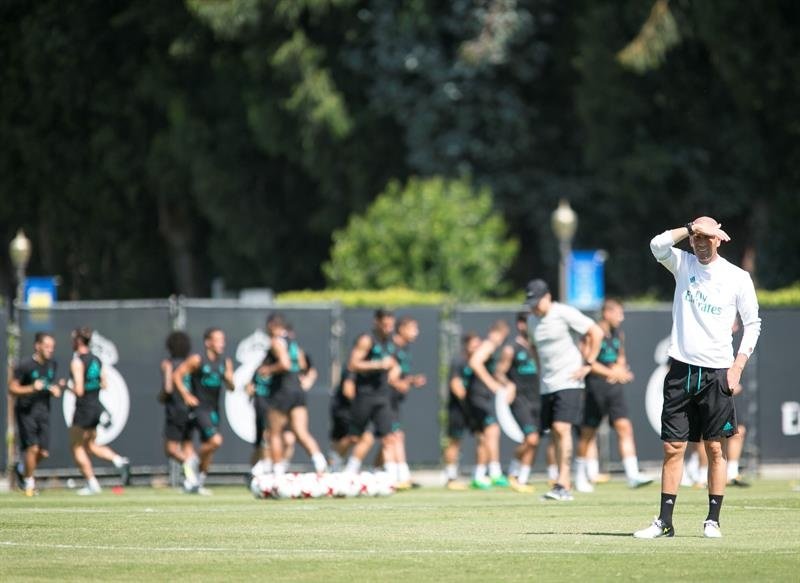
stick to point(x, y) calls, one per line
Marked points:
point(390, 297)
point(780, 298)
point(429, 235)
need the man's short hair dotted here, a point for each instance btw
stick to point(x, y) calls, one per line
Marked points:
point(41, 336)
point(83, 334)
point(209, 331)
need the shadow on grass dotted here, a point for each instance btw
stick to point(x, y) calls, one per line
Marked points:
point(550, 533)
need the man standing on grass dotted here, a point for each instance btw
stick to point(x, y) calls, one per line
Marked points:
point(33, 383)
point(698, 390)
point(563, 368)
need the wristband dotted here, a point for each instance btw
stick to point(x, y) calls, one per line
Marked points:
point(689, 228)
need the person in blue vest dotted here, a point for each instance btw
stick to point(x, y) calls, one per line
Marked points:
point(178, 443)
point(605, 397)
point(209, 373)
point(286, 364)
point(88, 379)
point(458, 423)
point(518, 363)
point(34, 384)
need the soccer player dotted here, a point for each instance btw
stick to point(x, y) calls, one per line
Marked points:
point(551, 326)
point(33, 384)
point(698, 389)
point(406, 334)
point(208, 372)
point(486, 382)
point(88, 379)
point(287, 398)
point(518, 362)
point(375, 369)
point(605, 397)
point(177, 427)
point(459, 378)
point(340, 412)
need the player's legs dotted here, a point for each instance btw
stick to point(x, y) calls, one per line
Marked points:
point(298, 418)
point(562, 437)
point(31, 460)
point(733, 448)
point(277, 421)
point(672, 467)
point(174, 450)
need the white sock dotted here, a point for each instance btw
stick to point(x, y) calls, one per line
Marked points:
point(495, 470)
point(278, 469)
point(201, 478)
point(119, 461)
point(592, 468)
point(702, 475)
point(524, 474)
point(266, 466)
point(480, 472)
point(30, 484)
point(391, 469)
point(257, 469)
point(552, 472)
point(451, 471)
point(353, 465)
point(93, 484)
point(580, 470)
point(513, 467)
point(631, 465)
point(403, 472)
point(320, 463)
point(733, 469)
point(282, 466)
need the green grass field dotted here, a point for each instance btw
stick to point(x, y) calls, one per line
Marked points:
point(425, 535)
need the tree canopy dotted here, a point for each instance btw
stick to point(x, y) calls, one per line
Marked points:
point(149, 147)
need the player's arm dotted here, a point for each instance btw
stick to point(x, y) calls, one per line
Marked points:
point(76, 369)
point(166, 381)
point(16, 388)
point(505, 361)
point(283, 361)
point(187, 367)
point(747, 306)
point(457, 387)
point(349, 388)
point(358, 362)
point(103, 379)
point(621, 367)
point(477, 360)
point(309, 375)
point(227, 378)
point(592, 340)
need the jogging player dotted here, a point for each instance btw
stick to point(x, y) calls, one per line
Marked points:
point(518, 362)
point(552, 327)
point(698, 389)
point(88, 379)
point(605, 396)
point(33, 384)
point(208, 372)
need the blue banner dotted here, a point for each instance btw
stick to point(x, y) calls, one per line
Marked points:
point(585, 279)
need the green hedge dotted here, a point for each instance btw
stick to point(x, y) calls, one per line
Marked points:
point(780, 298)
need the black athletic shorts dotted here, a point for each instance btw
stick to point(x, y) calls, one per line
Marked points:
point(34, 427)
point(340, 416)
point(697, 404)
point(206, 421)
point(527, 412)
point(87, 415)
point(260, 404)
point(603, 398)
point(565, 405)
point(480, 412)
point(368, 406)
point(285, 399)
point(457, 418)
point(177, 426)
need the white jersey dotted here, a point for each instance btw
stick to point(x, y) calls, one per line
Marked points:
point(707, 298)
point(554, 336)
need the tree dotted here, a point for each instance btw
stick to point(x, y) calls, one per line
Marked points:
point(430, 235)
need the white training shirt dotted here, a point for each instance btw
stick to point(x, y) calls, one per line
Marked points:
point(554, 336)
point(707, 298)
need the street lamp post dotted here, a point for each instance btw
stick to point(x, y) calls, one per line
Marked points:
point(564, 222)
point(20, 252)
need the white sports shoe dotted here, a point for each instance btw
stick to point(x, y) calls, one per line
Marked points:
point(711, 529)
point(87, 491)
point(639, 480)
point(584, 486)
point(656, 530)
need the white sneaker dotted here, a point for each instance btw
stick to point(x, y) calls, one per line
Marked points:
point(584, 486)
point(711, 529)
point(639, 480)
point(656, 530)
point(87, 491)
point(203, 491)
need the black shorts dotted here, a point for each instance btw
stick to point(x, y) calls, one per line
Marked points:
point(394, 404)
point(742, 404)
point(261, 405)
point(603, 398)
point(565, 405)
point(368, 406)
point(87, 415)
point(177, 427)
point(285, 399)
point(206, 421)
point(33, 426)
point(527, 412)
point(340, 417)
point(697, 404)
point(457, 419)
point(480, 412)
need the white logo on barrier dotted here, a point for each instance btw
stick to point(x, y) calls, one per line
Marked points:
point(505, 418)
point(114, 397)
point(790, 418)
point(654, 397)
point(239, 410)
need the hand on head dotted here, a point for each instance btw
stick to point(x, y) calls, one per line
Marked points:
point(709, 227)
